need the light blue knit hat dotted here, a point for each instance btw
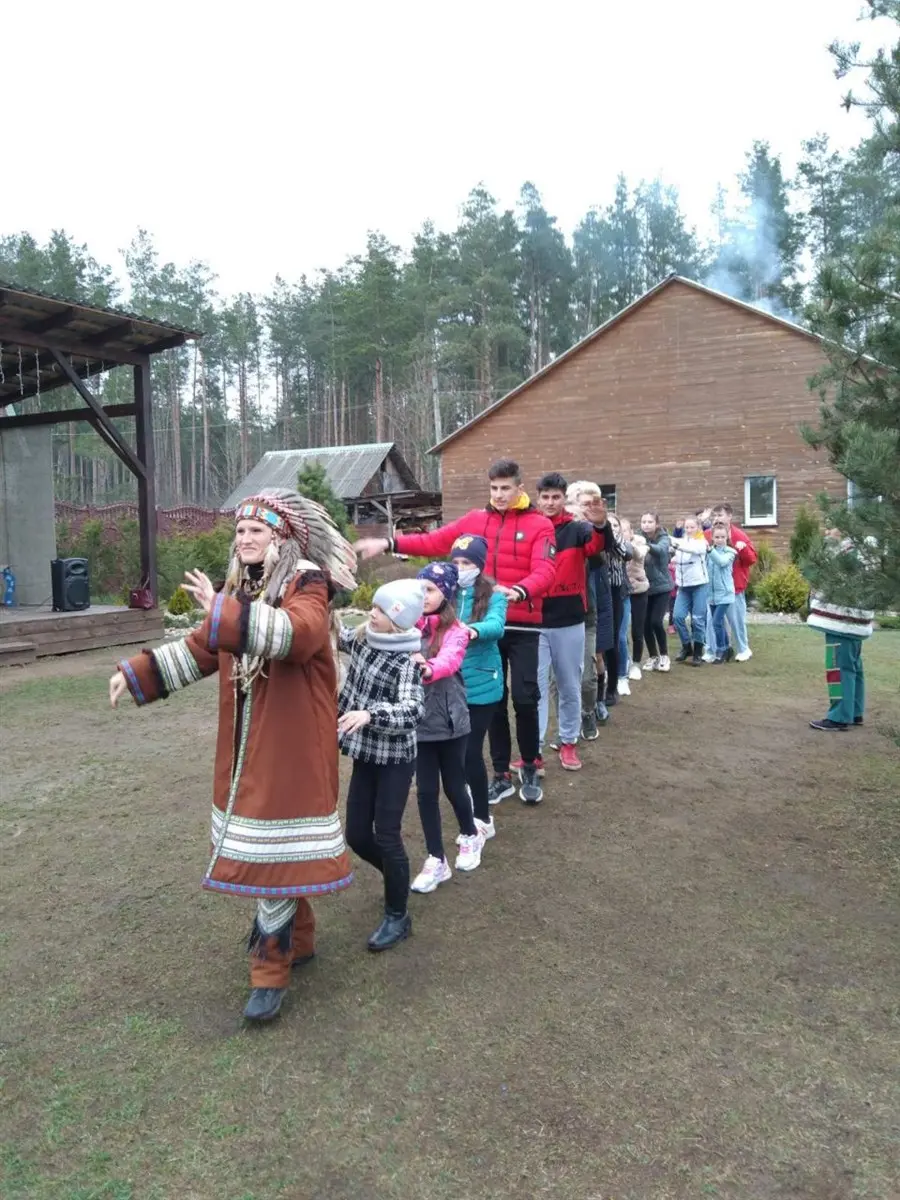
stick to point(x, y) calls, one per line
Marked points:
point(402, 601)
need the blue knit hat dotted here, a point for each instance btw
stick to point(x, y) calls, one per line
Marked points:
point(473, 547)
point(444, 576)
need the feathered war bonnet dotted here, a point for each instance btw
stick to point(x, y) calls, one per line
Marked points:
point(306, 537)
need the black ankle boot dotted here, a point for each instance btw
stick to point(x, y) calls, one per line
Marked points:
point(697, 659)
point(395, 927)
point(684, 654)
point(264, 1004)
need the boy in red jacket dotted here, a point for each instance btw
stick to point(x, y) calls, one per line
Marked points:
point(746, 557)
point(522, 558)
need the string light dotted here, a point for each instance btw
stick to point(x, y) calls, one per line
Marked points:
point(37, 368)
point(21, 380)
point(2, 373)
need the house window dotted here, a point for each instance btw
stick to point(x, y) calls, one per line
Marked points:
point(608, 492)
point(760, 500)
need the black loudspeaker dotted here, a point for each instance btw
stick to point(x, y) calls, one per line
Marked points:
point(71, 584)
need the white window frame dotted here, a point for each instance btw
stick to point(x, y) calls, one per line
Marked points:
point(772, 518)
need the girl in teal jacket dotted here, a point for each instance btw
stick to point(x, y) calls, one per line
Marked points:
point(483, 612)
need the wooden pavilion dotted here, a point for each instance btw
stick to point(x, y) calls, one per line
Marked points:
point(47, 343)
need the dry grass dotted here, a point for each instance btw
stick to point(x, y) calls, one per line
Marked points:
point(677, 978)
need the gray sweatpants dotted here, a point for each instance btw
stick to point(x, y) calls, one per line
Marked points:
point(564, 650)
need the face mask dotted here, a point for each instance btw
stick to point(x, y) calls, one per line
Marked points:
point(467, 576)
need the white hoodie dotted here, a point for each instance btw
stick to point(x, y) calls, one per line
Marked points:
point(690, 560)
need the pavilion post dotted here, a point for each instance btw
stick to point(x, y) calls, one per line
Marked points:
point(146, 484)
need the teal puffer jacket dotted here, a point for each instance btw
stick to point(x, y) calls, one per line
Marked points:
point(482, 668)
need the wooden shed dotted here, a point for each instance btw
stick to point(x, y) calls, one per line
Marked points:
point(684, 398)
point(373, 479)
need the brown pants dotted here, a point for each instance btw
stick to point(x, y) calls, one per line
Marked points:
point(271, 967)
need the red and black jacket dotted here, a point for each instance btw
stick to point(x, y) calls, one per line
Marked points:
point(576, 542)
point(521, 554)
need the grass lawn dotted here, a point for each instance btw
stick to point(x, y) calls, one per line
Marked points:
point(677, 978)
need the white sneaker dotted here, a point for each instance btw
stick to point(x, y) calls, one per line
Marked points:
point(635, 673)
point(652, 664)
point(622, 687)
point(744, 656)
point(435, 871)
point(487, 829)
point(708, 656)
point(469, 855)
point(665, 663)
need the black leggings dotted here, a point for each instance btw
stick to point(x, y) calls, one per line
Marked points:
point(476, 772)
point(376, 799)
point(638, 621)
point(611, 656)
point(655, 626)
point(438, 762)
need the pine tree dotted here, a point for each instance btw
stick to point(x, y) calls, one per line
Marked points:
point(858, 313)
point(312, 482)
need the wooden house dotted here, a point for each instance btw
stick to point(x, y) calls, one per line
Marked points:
point(685, 398)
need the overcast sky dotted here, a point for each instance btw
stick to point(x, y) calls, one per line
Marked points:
point(269, 137)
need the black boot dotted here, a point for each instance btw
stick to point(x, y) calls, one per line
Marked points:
point(264, 1004)
point(395, 927)
point(685, 653)
point(697, 659)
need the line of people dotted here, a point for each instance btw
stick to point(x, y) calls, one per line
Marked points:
point(522, 598)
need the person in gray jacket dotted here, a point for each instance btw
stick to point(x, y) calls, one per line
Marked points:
point(656, 565)
point(443, 733)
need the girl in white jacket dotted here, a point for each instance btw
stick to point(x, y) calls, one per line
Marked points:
point(692, 581)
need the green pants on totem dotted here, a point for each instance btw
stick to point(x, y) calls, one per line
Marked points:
point(844, 674)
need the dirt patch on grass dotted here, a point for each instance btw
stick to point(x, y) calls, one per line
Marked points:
point(677, 978)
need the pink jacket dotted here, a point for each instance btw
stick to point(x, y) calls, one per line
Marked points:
point(449, 658)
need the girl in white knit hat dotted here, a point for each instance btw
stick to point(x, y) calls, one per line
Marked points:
point(380, 705)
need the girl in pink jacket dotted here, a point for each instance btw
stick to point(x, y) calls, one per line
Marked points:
point(444, 730)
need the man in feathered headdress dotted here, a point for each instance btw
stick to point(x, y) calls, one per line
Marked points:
point(276, 834)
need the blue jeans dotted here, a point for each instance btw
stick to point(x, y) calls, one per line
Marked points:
point(720, 632)
point(691, 602)
point(624, 661)
point(737, 619)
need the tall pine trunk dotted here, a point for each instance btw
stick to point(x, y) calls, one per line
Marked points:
point(379, 402)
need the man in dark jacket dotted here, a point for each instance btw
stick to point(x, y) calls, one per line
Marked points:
point(522, 559)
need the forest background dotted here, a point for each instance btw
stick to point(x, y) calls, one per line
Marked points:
point(406, 344)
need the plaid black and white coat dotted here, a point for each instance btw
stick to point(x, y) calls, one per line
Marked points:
point(388, 685)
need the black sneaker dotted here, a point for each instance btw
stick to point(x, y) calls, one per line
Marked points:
point(531, 790)
point(264, 1004)
point(612, 698)
point(858, 721)
point(684, 653)
point(827, 726)
point(589, 730)
point(396, 927)
point(501, 787)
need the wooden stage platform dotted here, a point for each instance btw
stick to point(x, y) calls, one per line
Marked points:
point(29, 633)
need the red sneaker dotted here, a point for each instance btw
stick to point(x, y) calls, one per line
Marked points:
point(568, 757)
point(519, 764)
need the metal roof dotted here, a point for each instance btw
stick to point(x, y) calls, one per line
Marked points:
point(614, 320)
point(348, 469)
point(35, 325)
